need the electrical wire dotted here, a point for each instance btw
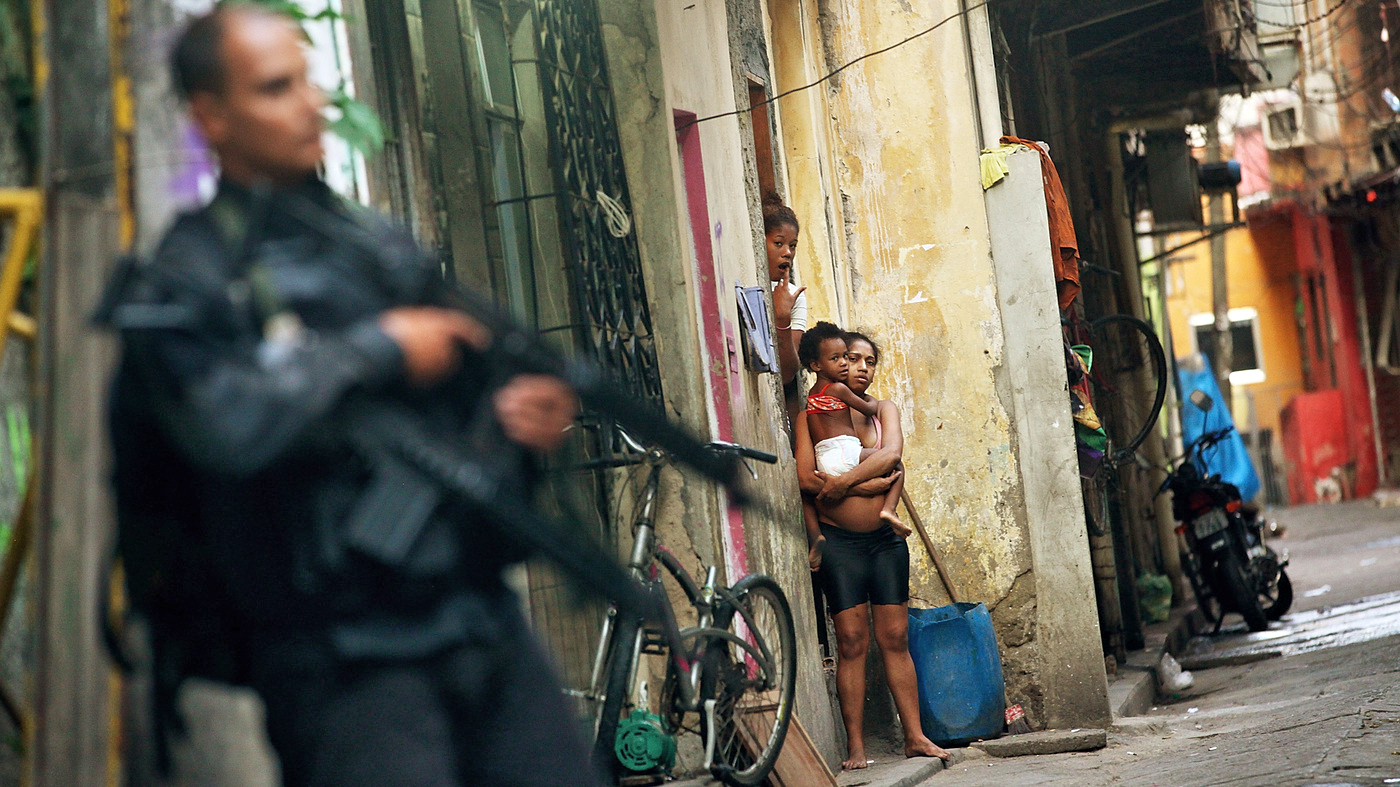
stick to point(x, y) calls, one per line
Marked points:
point(614, 215)
point(1330, 11)
point(838, 70)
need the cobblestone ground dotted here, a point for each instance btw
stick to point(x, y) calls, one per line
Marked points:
point(1325, 711)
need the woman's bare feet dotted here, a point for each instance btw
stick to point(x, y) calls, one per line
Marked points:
point(896, 524)
point(923, 747)
point(855, 761)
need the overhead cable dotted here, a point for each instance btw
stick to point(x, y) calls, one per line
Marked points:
point(1330, 11)
point(831, 74)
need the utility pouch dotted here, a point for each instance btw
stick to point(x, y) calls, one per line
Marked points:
point(392, 514)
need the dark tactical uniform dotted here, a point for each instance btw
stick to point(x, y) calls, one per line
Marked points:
point(229, 422)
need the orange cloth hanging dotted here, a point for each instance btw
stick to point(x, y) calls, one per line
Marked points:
point(1063, 242)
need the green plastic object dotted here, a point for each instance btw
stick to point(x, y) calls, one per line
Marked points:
point(1154, 597)
point(643, 743)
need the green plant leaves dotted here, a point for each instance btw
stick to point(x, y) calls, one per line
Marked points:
point(358, 125)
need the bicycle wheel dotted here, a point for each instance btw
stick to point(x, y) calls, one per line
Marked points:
point(1130, 373)
point(753, 701)
point(617, 669)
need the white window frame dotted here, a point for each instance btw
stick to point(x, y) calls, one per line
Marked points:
point(1244, 314)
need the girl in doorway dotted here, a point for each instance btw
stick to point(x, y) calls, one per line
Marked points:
point(780, 229)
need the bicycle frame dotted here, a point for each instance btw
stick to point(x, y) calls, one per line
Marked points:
point(688, 662)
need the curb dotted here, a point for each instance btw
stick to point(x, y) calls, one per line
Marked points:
point(893, 773)
point(1045, 742)
point(1134, 690)
point(899, 773)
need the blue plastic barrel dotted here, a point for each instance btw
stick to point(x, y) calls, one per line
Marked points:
point(962, 696)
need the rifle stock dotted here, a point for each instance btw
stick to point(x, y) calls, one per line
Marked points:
point(414, 466)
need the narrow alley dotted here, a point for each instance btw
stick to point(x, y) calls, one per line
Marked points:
point(1313, 701)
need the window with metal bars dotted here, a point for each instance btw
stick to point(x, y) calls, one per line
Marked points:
point(546, 145)
point(550, 148)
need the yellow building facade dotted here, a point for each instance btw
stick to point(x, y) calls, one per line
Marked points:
point(1263, 301)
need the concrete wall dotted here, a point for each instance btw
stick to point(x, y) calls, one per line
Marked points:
point(917, 249)
point(810, 146)
point(663, 59)
point(912, 265)
point(1032, 380)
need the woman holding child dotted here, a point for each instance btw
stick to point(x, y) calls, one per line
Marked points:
point(849, 448)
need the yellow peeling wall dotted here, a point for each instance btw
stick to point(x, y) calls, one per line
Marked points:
point(883, 169)
point(917, 270)
point(807, 139)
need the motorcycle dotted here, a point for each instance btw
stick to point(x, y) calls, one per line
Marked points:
point(1229, 566)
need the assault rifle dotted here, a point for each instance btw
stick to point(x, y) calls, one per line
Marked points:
point(414, 470)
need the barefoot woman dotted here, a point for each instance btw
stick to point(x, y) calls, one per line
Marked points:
point(864, 564)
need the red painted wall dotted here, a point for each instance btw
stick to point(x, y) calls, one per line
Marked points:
point(1351, 375)
point(1332, 370)
point(716, 346)
point(1314, 441)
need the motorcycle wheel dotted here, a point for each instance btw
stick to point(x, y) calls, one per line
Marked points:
point(1282, 598)
point(1241, 597)
point(1206, 602)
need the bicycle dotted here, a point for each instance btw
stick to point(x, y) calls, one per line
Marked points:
point(1128, 358)
point(736, 668)
point(1129, 370)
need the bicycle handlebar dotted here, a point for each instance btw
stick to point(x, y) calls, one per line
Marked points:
point(716, 446)
point(743, 450)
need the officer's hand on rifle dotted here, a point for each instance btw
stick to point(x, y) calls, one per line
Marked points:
point(535, 409)
point(431, 339)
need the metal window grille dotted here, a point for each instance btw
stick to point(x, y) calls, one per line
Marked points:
point(605, 270)
point(560, 63)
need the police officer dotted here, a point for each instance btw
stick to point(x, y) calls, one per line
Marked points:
point(421, 672)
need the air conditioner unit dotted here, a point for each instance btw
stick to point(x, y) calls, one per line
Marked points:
point(1284, 124)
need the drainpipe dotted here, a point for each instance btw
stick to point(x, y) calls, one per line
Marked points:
point(1363, 320)
point(981, 73)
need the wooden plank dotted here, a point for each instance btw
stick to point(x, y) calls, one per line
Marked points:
point(799, 763)
point(73, 710)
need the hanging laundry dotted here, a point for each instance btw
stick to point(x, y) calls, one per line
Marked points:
point(994, 167)
point(1063, 242)
point(1089, 435)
